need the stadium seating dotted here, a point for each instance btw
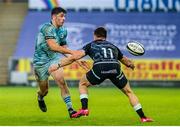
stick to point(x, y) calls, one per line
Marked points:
point(11, 18)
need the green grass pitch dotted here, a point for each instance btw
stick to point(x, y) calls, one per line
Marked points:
point(108, 107)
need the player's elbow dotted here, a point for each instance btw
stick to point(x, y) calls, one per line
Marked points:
point(52, 48)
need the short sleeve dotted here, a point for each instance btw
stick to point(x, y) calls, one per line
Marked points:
point(49, 32)
point(87, 48)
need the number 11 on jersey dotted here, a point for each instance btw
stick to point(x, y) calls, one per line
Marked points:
point(105, 50)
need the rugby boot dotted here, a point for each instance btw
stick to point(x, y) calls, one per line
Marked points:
point(42, 105)
point(146, 120)
point(81, 112)
point(71, 112)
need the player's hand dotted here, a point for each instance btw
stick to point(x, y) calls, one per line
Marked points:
point(132, 66)
point(76, 52)
point(83, 64)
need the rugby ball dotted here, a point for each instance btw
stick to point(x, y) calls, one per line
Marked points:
point(135, 48)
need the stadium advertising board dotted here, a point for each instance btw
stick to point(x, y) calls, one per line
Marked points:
point(127, 5)
point(154, 69)
point(146, 69)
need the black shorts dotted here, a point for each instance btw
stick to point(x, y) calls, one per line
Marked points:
point(102, 71)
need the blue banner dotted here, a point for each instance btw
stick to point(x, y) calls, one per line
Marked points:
point(158, 32)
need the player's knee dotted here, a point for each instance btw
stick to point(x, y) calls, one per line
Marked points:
point(84, 84)
point(43, 88)
point(61, 86)
point(128, 92)
point(60, 81)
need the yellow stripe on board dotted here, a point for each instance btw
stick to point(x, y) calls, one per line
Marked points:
point(145, 69)
point(24, 65)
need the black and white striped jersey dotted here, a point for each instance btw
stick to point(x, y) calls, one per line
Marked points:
point(103, 51)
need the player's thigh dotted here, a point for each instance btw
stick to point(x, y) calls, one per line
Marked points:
point(41, 78)
point(41, 72)
point(119, 81)
point(127, 89)
point(94, 76)
point(58, 76)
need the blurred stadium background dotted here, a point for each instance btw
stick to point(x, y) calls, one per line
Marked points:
point(155, 23)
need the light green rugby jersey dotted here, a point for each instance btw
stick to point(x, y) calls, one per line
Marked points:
point(43, 54)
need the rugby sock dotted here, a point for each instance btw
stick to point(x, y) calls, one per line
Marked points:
point(138, 109)
point(84, 101)
point(68, 102)
point(40, 97)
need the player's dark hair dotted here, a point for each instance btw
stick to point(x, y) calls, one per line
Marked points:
point(100, 32)
point(58, 10)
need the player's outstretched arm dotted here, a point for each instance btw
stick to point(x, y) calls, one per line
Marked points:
point(81, 63)
point(127, 62)
point(57, 48)
point(78, 54)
